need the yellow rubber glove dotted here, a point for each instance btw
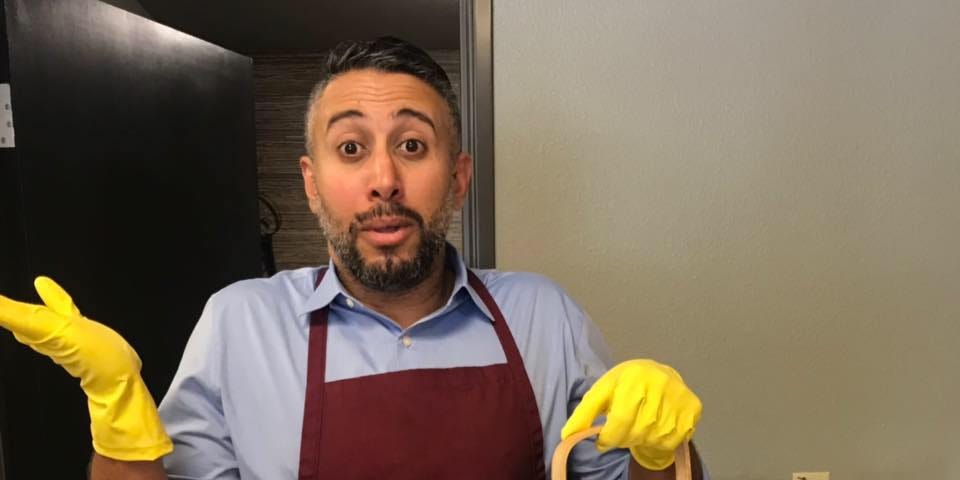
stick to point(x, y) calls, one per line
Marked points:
point(649, 410)
point(123, 416)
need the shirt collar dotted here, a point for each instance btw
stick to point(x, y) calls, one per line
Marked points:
point(325, 293)
point(330, 287)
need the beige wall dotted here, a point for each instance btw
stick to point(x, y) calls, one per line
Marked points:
point(764, 194)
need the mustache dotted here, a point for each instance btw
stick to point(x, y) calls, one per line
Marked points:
point(386, 210)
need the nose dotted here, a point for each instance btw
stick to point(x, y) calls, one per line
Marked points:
point(386, 179)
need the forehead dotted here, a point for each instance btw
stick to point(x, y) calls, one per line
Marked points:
point(368, 90)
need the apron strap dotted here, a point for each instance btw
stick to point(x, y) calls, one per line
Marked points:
point(519, 373)
point(313, 403)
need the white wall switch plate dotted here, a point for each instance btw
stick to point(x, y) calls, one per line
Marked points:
point(811, 476)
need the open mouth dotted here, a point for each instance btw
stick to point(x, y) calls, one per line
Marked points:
point(387, 232)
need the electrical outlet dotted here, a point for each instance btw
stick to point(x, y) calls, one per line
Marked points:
point(811, 476)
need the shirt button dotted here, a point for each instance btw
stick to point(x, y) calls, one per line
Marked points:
point(350, 303)
point(407, 341)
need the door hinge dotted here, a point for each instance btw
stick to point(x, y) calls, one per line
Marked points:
point(6, 117)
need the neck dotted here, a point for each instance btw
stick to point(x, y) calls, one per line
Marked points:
point(408, 306)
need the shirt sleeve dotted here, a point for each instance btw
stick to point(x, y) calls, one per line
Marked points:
point(588, 357)
point(192, 410)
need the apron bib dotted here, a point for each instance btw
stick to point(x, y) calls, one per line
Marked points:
point(463, 423)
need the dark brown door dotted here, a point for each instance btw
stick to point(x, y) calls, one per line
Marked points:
point(132, 183)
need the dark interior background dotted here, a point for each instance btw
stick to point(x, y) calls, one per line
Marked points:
point(139, 206)
point(287, 26)
point(133, 184)
point(287, 40)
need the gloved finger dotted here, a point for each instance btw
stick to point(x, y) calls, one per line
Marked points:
point(29, 323)
point(697, 409)
point(688, 420)
point(672, 440)
point(682, 421)
point(673, 372)
point(595, 402)
point(688, 406)
point(55, 297)
point(630, 399)
point(663, 434)
point(646, 417)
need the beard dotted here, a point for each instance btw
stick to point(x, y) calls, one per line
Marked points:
point(391, 274)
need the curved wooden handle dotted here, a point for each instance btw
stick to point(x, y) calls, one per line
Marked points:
point(559, 464)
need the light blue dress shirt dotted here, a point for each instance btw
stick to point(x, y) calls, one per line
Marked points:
point(235, 407)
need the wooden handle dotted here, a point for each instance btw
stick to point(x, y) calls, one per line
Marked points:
point(559, 464)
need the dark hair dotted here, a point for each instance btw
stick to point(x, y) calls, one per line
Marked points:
point(387, 54)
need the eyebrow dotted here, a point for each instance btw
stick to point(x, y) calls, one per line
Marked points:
point(409, 112)
point(403, 112)
point(342, 115)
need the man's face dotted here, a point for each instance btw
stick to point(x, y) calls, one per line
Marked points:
point(382, 179)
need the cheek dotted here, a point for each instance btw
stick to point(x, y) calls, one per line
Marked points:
point(435, 193)
point(339, 198)
point(429, 185)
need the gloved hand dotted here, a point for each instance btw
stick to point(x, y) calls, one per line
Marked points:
point(649, 410)
point(123, 416)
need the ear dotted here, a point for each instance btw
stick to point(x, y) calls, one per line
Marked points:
point(462, 174)
point(310, 183)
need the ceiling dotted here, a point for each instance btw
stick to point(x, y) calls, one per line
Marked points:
point(282, 26)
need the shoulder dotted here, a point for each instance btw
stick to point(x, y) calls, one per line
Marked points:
point(531, 295)
point(285, 290)
point(519, 282)
point(257, 314)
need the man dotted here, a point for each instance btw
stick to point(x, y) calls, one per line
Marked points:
point(395, 361)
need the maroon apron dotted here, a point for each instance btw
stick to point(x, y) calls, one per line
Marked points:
point(463, 423)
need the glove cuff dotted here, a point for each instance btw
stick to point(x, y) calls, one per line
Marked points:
point(125, 424)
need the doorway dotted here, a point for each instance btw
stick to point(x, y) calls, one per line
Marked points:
point(287, 42)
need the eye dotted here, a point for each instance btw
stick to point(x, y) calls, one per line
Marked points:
point(412, 146)
point(349, 149)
